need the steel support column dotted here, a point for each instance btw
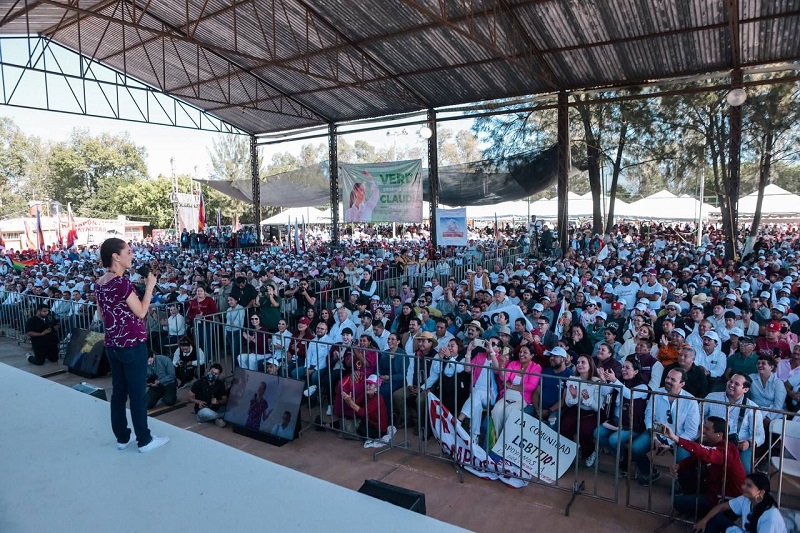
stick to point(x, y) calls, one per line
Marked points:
point(734, 167)
point(333, 171)
point(256, 180)
point(433, 176)
point(564, 164)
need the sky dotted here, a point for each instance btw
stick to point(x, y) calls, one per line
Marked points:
point(189, 148)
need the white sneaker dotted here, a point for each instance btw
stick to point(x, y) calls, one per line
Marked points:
point(220, 423)
point(591, 460)
point(123, 445)
point(309, 392)
point(157, 442)
point(329, 411)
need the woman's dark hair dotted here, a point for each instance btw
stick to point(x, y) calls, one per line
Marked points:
point(638, 379)
point(761, 481)
point(403, 320)
point(769, 359)
point(508, 318)
point(110, 247)
point(458, 342)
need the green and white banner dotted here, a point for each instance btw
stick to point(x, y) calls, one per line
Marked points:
point(382, 192)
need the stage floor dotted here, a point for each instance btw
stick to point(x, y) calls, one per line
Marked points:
point(61, 471)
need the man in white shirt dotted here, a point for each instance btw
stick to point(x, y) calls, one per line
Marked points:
point(675, 408)
point(627, 290)
point(316, 360)
point(380, 334)
point(716, 362)
point(280, 341)
point(652, 290)
point(741, 422)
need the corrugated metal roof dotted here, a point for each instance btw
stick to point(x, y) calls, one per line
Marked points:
point(271, 65)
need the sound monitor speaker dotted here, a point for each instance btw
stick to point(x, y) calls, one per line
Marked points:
point(407, 499)
point(91, 390)
point(86, 355)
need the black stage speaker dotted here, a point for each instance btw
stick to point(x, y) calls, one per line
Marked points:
point(407, 499)
point(91, 390)
point(86, 355)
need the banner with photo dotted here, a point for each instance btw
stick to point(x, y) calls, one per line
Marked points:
point(382, 192)
point(451, 227)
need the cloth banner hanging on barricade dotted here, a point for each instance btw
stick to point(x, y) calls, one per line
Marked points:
point(539, 449)
point(542, 453)
point(451, 227)
point(382, 192)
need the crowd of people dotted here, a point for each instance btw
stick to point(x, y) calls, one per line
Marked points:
point(639, 336)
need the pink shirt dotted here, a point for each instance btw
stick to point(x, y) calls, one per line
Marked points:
point(529, 381)
point(123, 328)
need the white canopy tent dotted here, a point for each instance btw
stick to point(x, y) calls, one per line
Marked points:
point(777, 202)
point(312, 215)
point(504, 210)
point(664, 205)
point(578, 206)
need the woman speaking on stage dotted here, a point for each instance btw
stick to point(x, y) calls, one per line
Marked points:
point(123, 315)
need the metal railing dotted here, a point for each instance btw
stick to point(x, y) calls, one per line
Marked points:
point(768, 456)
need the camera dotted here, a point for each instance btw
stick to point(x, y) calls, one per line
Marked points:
point(151, 379)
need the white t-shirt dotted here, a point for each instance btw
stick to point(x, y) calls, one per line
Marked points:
point(627, 293)
point(770, 522)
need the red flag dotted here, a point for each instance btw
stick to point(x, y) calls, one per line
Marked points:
point(201, 216)
point(72, 233)
point(2, 241)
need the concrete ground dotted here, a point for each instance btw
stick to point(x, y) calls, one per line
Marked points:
point(475, 504)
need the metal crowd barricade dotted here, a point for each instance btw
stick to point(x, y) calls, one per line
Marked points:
point(208, 335)
point(14, 313)
point(163, 334)
point(407, 410)
point(581, 480)
point(769, 457)
point(16, 309)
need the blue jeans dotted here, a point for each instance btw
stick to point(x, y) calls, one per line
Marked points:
point(747, 458)
point(610, 439)
point(301, 373)
point(129, 380)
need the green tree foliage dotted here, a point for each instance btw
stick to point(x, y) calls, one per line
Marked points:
point(230, 161)
point(23, 168)
point(85, 166)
